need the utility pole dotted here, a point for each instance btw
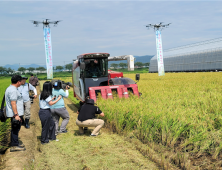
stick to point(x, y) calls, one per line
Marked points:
point(48, 44)
point(158, 28)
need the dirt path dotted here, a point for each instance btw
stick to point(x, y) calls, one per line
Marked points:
point(72, 151)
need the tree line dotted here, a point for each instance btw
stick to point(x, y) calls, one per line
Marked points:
point(124, 65)
point(4, 70)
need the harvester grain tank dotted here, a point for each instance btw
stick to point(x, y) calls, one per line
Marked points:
point(90, 76)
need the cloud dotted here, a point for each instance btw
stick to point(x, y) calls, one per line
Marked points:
point(117, 27)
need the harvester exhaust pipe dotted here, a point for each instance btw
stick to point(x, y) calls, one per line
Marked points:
point(137, 77)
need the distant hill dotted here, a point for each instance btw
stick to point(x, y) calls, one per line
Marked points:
point(16, 66)
point(143, 59)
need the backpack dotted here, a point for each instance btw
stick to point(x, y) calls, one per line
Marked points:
point(3, 116)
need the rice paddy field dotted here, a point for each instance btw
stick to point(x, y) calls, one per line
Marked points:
point(179, 114)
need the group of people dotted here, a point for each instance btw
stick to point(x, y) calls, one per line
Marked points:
point(52, 107)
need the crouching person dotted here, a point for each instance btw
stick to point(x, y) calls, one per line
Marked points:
point(45, 101)
point(86, 117)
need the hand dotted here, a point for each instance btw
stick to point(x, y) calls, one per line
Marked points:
point(67, 87)
point(35, 96)
point(17, 118)
point(59, 97)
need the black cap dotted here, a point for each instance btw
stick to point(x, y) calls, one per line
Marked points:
point(90, 101)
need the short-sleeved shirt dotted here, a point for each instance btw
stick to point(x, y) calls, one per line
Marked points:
point(12, 94)
point(88, 111)
point(24, 89)
point(33, 80)
point(60, 103)
point(44, 104)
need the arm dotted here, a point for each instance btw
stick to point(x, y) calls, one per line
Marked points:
point(67, 92)
point(14, 108)
point(53, 102)
point(31, 87)
point(35, 92)
point(64, 94)
point(102, 114)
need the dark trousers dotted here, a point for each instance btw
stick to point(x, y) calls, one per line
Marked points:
point(48, 125)
point(14, 133)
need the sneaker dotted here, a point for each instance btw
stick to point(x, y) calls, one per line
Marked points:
point(65, 131)
point(22, 145)
point(92, 135)
point(43, 143)
point(17, 148)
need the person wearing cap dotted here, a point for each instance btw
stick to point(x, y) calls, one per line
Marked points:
point(87, 117)
point(33, 80)
point(14, 110)
point(59, 110)
point(24, 90)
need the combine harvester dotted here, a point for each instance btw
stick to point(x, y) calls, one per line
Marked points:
point(90, 76)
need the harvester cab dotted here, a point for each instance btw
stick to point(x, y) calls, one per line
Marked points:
point(91, 76)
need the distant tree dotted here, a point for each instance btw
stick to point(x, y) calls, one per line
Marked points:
point(41, 68)
point(139, 64)
point(21, 69)
point(59, 68)
point(122, 65)
point(9, 71)
point(68, 66)
point(2, 70)
point(146, 64)
point(30, 69)
point(114, 65)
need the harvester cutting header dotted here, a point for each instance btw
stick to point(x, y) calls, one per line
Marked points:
point(90, 76)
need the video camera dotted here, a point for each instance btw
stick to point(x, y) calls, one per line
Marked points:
point(61, 84)
point(66, 84)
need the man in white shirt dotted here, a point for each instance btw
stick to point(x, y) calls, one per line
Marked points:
point(24, 90)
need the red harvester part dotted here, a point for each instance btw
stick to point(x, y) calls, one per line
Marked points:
point(106, 91)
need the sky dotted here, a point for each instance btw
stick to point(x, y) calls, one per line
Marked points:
point(115, 27)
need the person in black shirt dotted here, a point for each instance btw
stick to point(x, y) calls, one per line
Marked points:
point(86, 117)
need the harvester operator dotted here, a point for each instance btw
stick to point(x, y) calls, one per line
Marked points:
point(93, 69)
point(86, 117)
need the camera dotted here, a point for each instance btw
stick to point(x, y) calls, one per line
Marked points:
point(66, 84)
